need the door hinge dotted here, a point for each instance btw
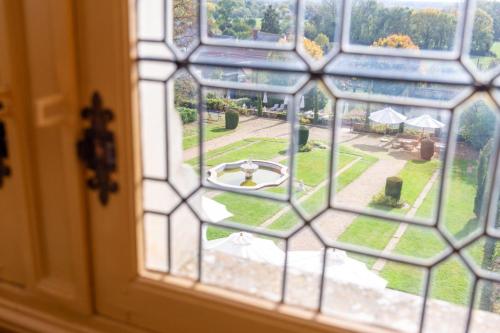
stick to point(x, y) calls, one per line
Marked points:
point(97, 148)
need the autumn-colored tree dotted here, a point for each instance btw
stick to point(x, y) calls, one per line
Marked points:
point(186, 22)
point(313, 49)
point(482, 33)
point(396, 41)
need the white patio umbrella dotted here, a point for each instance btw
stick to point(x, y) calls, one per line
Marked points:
point(213, 210)
point(245, 245)
point(387, 116)
point(340, 268)
point(264, 99)
point(285, 101)
point(425, 121)
point(302, 104)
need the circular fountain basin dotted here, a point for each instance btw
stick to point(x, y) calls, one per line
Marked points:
point(230, 175)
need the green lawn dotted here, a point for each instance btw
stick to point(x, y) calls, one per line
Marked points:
point(459, 209)
point(255, 148)
point(376, 233)
point(318, 200)
point(312, 166)
point(262, 149)
point(450, 280)
point(212, 130)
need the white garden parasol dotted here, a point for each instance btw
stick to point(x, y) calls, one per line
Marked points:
point(264, 100)
point(285, 101)
point(340, 267)
point(213, 210)
point(425, 121)
point(245, 245)
point(387, 116)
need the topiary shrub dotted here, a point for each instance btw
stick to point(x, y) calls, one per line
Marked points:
point(232, 119)
point(259, 108)
point(426, 149)
point(216, 104)
point(303, 135)
point(393, 186)
point(188, 115)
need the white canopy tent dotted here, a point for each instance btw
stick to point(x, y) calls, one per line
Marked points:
point(340, 267)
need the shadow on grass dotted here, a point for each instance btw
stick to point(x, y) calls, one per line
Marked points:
point(219, 129)
point(404, 155)
point(468, 228)
point(283, 152)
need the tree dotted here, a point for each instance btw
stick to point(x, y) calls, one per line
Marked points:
point(315, 100)
point(323, 41)
point(323, 17)
point(493, 9)
point(396, 41)
point(477, 125)
point(270, 21)
point(365, 22)
point(482, 33)
point(433, 29)
point(185, 90)
point(310, 30)
point(186, 22)
point(230, 18)
point(313, 49)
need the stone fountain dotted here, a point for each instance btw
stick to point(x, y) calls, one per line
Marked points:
point(249, 168)
point(248, 174)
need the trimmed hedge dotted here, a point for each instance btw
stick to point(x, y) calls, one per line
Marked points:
point(426, 149)
point(393, 186)
point(303, 135)
point(188, 115)
point(232, 119)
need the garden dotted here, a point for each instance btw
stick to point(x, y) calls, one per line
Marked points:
point(418, 197)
